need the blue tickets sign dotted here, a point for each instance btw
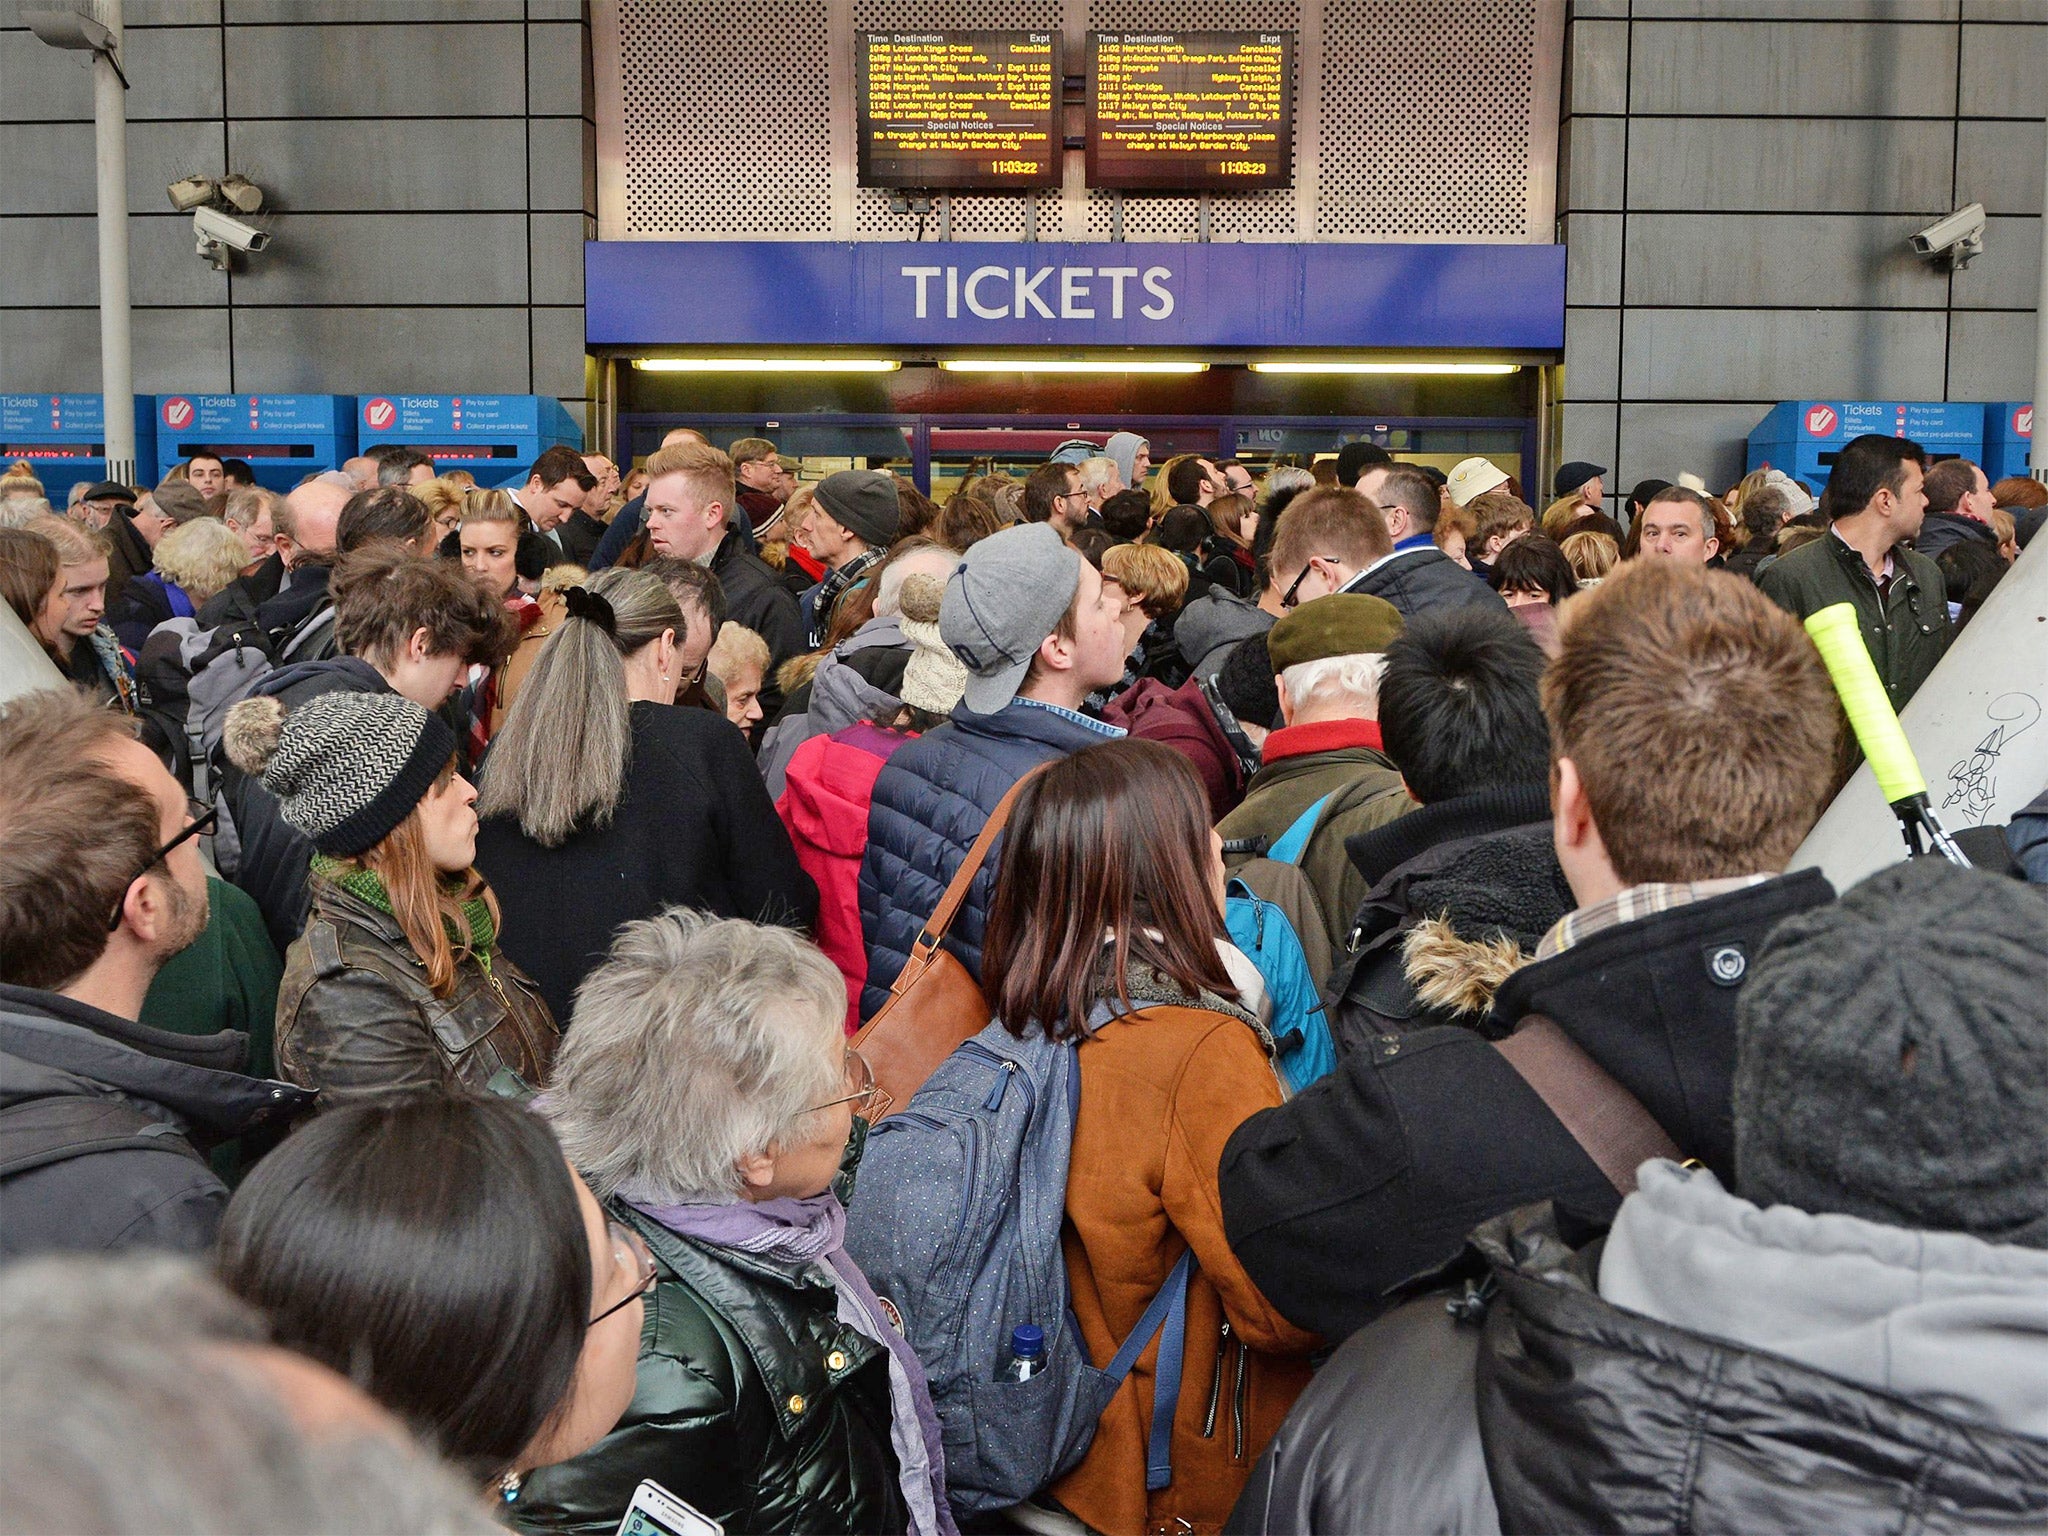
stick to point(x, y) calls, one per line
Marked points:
point(898, 294)
point(65, 417)
point(241, 415)
point(397, 417)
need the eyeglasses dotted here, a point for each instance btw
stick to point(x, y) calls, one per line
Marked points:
point(869, 1099)
point(629, 1248)
point(1071, 496)
point(204, 818)
point(1293, 593)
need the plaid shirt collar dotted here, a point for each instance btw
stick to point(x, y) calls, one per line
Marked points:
point(1637, 901)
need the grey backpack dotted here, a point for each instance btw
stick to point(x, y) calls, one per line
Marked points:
point(956, 1221)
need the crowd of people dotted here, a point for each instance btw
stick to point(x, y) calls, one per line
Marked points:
point(1139, 999)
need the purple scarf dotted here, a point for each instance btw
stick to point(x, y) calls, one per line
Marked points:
point(814, 1231)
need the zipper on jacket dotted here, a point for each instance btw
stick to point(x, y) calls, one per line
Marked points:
point(1216, 1383)
point(1240, 1402)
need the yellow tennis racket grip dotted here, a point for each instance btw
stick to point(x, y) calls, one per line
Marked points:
point(1838, 637)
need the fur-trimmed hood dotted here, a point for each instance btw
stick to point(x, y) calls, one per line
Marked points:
point(1456, 974)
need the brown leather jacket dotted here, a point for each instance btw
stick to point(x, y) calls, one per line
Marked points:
point(1161, 1090)
point(356, 1018)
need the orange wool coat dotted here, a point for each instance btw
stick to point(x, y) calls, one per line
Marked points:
point(1161, 1090)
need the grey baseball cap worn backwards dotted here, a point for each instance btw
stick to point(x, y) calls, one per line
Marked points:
point(1010, 592)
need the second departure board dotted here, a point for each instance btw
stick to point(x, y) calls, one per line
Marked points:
point(968, 110)
point(1190, 111)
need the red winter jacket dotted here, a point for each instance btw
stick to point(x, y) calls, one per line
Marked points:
point(831, 781)
point(1181, 718)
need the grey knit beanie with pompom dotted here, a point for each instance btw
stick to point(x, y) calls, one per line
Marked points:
point(1892, 1057)
point(346, 768)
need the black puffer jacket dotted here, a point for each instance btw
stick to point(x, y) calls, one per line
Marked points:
point(1567, 1413)
point(753, 1403)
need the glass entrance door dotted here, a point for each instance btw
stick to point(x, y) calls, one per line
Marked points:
point(937, 452)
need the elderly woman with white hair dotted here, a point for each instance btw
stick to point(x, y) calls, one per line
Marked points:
point(707, 1094)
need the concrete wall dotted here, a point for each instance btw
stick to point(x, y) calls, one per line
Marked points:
point(1737, 182)
point(430, 175)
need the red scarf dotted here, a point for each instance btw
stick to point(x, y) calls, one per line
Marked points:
point(1322, 736)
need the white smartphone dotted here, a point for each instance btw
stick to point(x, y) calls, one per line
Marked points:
point(657, 1512)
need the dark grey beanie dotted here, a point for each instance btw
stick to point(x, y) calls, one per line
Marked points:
point(864, 503)
point(1892, 1057)
point(346, 768)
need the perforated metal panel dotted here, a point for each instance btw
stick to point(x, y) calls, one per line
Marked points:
point(726, 117)
point(1426, 118)
point(1414, 120)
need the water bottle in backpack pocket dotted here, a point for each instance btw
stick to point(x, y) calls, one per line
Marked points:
point(956, 1220)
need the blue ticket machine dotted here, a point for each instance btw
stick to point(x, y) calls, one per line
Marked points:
point(494, 437)
point(284, 438)
point(1802, 437)
point(2008, 437)
point(64, 439)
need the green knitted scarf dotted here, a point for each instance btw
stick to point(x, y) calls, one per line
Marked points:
point(366, 885)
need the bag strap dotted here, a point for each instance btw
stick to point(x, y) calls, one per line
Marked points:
point(1608, 1122)
point(1290, 845)
point(956, 891)
point(38, 1132)
point(1167, 1319)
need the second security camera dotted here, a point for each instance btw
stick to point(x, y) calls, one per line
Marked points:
point(1954, 239)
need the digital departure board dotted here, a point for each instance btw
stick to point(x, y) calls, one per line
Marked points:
point(1190, 111)
point(968, 110)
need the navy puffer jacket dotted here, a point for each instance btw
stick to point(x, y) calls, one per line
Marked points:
point(934, 796)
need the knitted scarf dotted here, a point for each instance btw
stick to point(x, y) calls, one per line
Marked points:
point(367, 885)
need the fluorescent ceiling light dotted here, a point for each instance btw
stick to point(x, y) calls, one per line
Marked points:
point(1061, 365)
point(766, 364)
point(1347, 366)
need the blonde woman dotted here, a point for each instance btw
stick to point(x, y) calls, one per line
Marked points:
point(488, 542)
point(190, 565)
point(444, 500)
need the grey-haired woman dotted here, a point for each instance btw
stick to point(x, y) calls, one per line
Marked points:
point(707, 1093)
point(602, 802)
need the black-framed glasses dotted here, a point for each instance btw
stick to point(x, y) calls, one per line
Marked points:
point(629, 1247)
point(1293, 593)
point(869, 1098)
point(204, 818)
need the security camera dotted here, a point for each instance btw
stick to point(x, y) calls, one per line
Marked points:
point(1954, 239)
point(216, 228)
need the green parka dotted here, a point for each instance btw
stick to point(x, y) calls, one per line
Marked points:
point(1906, 632)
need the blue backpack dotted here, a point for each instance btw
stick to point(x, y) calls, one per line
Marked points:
point(1263, 930)
point(956, 1220)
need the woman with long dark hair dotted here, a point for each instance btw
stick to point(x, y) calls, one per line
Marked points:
point(1107, 929)
point(397, 982)
point(440, 1253)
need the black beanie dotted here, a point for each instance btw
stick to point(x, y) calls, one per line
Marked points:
point(1892, 1057)
point(1245, 682)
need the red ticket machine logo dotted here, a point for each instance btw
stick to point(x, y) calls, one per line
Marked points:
point(177, 412)
point(1821, 420)
point(2023, 421)
point(379, 413)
